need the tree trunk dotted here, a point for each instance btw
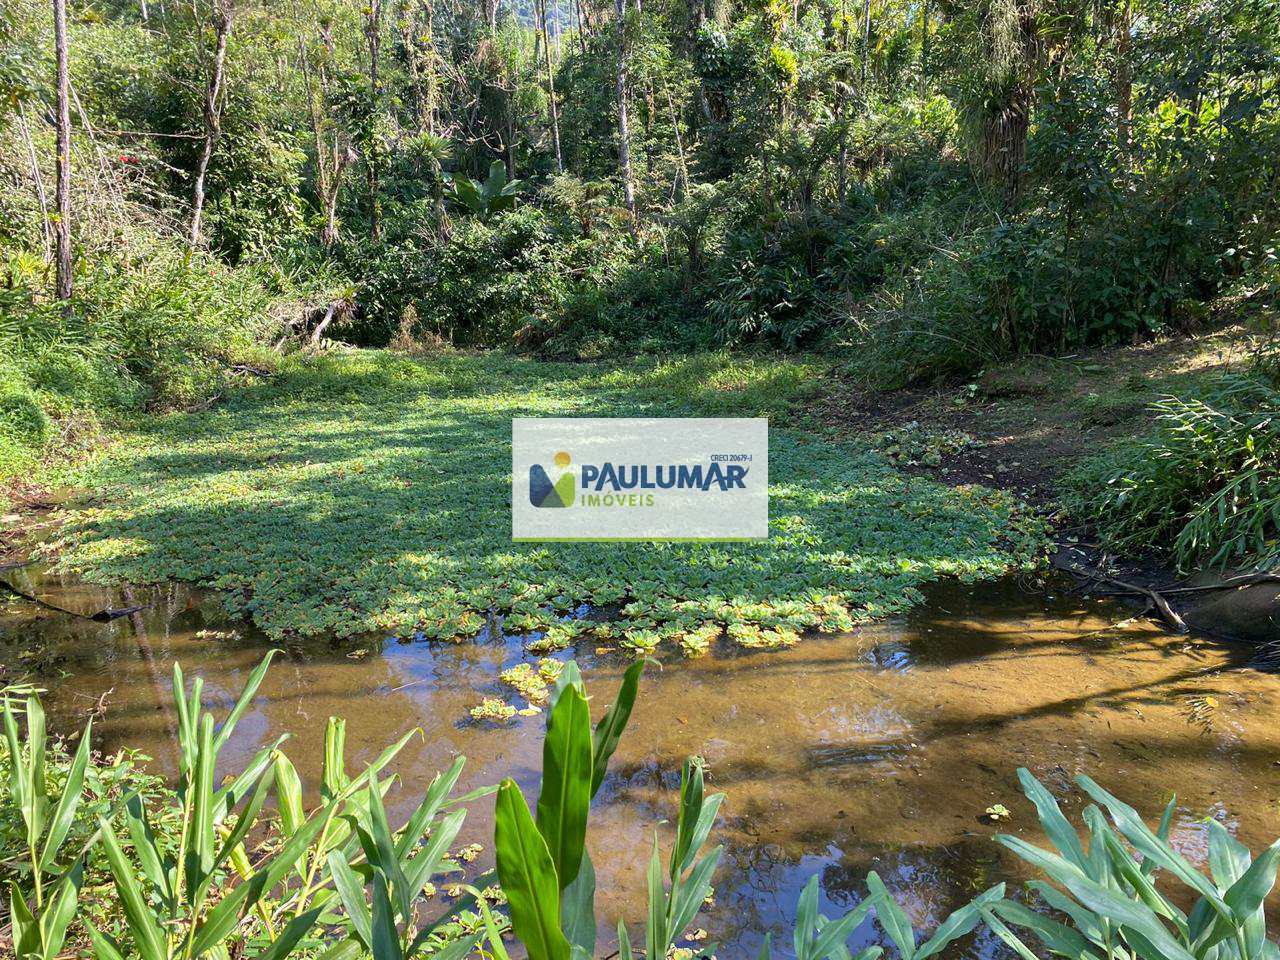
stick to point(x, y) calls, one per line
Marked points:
point(1124, 78)
point(683, 170)
point(63, 226)
point(866, 42)
point(924, 50)
point(582, 27)
point(372, 32)
point(223, 11)
point(624, 133)
point(541, 8)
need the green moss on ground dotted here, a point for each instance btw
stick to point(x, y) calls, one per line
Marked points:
point(365, 491)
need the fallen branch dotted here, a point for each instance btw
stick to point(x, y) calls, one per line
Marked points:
point(1167, 613)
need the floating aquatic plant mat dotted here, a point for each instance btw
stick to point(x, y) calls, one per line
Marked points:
point(364, 491)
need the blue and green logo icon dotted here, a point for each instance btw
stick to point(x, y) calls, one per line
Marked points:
point(544, 493)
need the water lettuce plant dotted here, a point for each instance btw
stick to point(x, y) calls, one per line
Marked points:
point(369, 492)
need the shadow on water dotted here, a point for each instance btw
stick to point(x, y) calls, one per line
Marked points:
point(878, 749)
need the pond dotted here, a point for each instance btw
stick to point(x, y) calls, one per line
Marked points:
point(879, 749)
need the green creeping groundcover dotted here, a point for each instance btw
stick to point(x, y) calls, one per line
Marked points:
point(365, 491)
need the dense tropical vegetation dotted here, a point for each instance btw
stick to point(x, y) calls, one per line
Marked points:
point(918, 188)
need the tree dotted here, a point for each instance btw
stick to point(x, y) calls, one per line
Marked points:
point(624, 133)
point(541, 13)
point(62, 229)
point(223, 13)
point(332, 142)
point(372, 32)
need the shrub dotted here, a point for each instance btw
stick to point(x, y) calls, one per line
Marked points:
point(1207, 483)
point(21, 419)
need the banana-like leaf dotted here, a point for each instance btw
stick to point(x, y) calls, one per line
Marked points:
point(1011, 939)
point(222, 919)
point(528, 877)
point(833, 935)
point(624, 942)
point(25, 931)
point(806, 920)
point(608, 732)
point(422, 867)
point(656, 935)
point(104, 948)
point(384, 856)
point(689, 894)
point(1132, 827)
point(565, 797)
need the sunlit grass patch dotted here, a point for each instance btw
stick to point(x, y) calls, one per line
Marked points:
point(369, 492)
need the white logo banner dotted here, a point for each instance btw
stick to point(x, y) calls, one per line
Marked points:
point(633, 478)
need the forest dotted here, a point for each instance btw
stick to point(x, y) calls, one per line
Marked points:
point(277, 278)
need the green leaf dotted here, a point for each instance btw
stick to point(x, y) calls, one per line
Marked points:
point(424, 865)
point(333, 774)
point(835, 933)
point(892, 918)
point(138, 824)
point(528, 877)
point(242, 704)
point(624, 942)
point(1058, 937)
point(288, 794)
point(65, 812)
point(351, 893)
point(960, 922)
point(689, 895)
point(1148, 844)
point(577, 909)
point(148, 938)
point(1011, 939)
point(222, 919)
point(291, 935)
point(26, 933)
point(1056, 827)
point(440, 788)
point(59, 912)
point(565, 797)
point(386, 941)
point(608, 732)
point(104, 948)
point(386, 859)
point(657, 935)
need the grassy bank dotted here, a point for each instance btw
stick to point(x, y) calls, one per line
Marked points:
point(366, 491)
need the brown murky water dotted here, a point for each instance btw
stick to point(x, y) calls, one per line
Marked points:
point(874, 750)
